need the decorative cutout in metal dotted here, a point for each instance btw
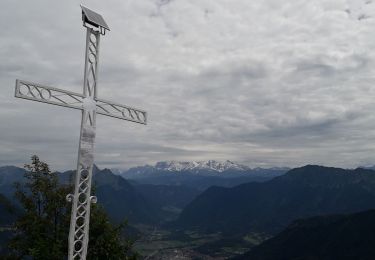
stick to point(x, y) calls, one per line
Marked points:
point(50, 95)
point(90, 105)
point(59, 97)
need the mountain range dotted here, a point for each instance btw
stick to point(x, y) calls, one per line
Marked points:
point(294, 208)
point(199, 175)
point(139, 203)
point(270, 206)
point(202, 168)
point(199, 166)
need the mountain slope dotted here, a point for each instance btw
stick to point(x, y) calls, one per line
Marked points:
point(197, 182)
point(8, 212)
point(168, 195)
point(119, 198)
point(168, 199)
point(272, 205)
point(8, 176)
point(344, 237)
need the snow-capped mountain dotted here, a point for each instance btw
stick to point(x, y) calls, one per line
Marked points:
point(210, 165)
point(200, 168)
point(116, 171)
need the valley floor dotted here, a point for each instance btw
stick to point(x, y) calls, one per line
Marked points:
point(158, 243)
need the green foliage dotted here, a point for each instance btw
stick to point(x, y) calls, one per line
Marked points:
point(106, 241)
point(42, 230)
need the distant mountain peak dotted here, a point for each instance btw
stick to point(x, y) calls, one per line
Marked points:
point(209, 168)
point(210, 165)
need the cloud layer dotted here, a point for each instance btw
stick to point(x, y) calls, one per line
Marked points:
point(259, 82)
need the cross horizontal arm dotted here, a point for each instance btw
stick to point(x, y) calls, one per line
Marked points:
point(109, 108)
point(46, 94)
point(59, 97)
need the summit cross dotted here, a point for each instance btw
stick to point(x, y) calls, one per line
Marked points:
point(90, 105)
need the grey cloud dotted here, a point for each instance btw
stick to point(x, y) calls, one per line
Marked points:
point(265, 84)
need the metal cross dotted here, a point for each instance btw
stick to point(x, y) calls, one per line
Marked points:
point(90, 105)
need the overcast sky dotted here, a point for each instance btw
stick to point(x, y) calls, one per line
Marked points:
point(264, 83)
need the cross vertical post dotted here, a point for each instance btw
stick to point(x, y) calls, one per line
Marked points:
point(90, 105)
point(82, 199)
